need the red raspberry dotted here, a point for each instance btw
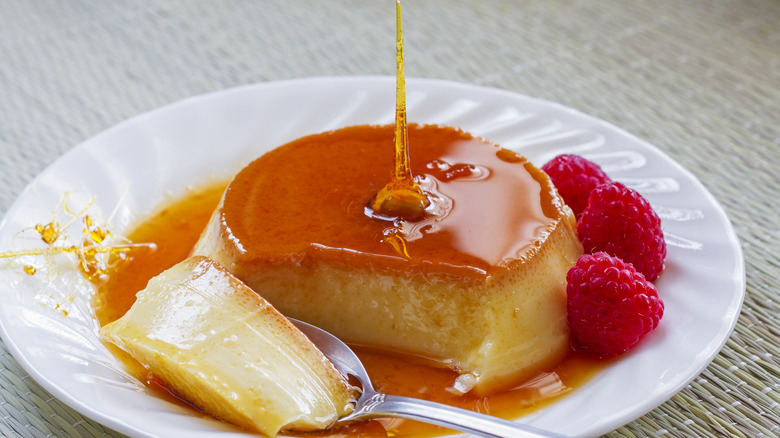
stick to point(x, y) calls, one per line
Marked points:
point(610, 305)
point(575, 177)
point(620, 222)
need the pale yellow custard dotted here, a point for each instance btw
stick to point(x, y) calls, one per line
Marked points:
point(477, 284)
point(224, 349)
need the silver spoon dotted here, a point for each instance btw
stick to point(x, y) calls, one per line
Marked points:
point(372, 404)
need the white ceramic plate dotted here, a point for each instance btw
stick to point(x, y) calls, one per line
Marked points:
point(140, 164)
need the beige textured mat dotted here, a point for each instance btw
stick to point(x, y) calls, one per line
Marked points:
point(698, 79)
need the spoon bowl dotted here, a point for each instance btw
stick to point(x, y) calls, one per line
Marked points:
point(373, 404)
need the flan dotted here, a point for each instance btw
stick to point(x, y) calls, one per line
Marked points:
point(223, 348)
point(477, 284)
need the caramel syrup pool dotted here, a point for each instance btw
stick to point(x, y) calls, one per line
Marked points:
point(176, 228)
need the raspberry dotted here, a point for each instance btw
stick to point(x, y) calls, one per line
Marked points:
point(610, 305)
point(575, 177)
point(620, 222)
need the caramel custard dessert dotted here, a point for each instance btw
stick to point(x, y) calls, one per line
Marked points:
point(476, 284)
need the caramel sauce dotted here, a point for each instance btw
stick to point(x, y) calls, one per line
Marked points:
point(402, 197)
point(176, 228)
point(305, 201)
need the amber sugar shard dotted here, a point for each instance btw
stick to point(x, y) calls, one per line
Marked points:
point(477, 284)
point(226, 350)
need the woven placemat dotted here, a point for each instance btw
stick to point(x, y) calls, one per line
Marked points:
point(699, 79)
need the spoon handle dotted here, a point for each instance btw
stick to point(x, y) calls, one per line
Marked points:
point(384, 405)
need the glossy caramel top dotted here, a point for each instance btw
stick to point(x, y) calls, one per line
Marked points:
point(306, 201)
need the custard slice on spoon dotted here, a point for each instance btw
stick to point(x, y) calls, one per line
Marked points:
point(225, 349)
